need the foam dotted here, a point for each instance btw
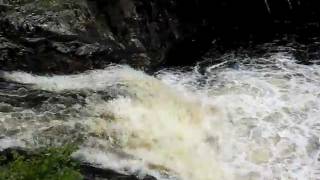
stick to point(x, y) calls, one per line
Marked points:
point(256, 122)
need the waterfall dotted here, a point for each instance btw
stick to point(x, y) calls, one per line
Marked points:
point(257, 121)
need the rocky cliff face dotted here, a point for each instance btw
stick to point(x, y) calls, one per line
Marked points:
point(54, 36)
point(66, 36)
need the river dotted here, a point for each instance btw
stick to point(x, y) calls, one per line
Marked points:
point(247, 118)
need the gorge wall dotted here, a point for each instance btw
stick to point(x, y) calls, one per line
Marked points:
point(66, 36)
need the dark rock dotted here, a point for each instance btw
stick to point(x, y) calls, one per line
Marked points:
point(67, 36)
point(54, 36)
point(93, 173)
point(5, 107)
point(13, 94)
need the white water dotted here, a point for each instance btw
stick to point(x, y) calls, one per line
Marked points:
point(260, 121)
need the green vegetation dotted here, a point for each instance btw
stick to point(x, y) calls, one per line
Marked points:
point(52, 163)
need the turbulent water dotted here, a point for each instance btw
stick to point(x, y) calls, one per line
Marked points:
point(254, 120)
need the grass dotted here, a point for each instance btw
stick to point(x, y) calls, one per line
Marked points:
point(54, 163)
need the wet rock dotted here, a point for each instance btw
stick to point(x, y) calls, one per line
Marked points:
point(53, 36)
point(68, 36)
point(15, 95)
point(57, 36)
point(94, 173)
point(5, 107)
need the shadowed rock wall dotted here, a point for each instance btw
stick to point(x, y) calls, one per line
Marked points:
point(67, 36)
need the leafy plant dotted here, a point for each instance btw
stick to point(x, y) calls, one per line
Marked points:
point(53, 163)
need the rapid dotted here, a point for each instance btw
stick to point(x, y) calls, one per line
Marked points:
point(257, 119)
